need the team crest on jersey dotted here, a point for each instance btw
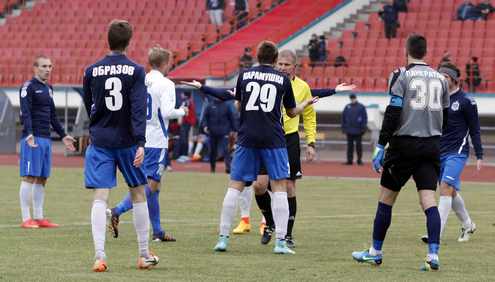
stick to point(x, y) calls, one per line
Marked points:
point(473, 102)
point(455, 106)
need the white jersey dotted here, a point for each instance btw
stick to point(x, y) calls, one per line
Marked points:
point(160, 109)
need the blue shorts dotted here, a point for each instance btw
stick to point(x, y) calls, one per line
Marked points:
point(100, 167)
point(154, 163)
point(247, 161)
point(36, 161)
point(451, 168)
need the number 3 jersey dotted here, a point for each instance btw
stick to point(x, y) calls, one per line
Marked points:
point(114, 95)
point(424, 93)
point(261, 92)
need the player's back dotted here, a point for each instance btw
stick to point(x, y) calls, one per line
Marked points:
point(115, 95)
point(262, 91)
point(425, 95)
point(159, 88)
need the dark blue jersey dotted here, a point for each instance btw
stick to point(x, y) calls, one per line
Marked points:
point(38, 110)
point(261, 92)
point(115, 98)
point(224, 95)
point(463, 121)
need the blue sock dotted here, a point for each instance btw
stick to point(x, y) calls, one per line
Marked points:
point(383, 218)
point(154, 210)
point(433, 225)
point(124, 205)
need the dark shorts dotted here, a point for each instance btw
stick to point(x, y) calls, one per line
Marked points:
point(409, 156)
point(294, 152)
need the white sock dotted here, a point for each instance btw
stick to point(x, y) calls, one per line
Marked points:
point(245, 199)
point(25, 191)
point(444, 206)
point(461, 211)
point(141, 219)
point(374, 252)
point(38, 200)
point(199, 147)
point(228, 210)
point(280, 210)
point(98, 227)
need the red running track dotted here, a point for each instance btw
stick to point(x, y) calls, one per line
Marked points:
point(326, 168)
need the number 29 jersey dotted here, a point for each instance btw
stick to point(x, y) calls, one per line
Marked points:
point(261, 92)
point(425, 94)
point(114, 94)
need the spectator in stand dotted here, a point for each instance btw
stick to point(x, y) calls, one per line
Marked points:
point(354, 124)
point(322, 48)
point(390, 17)
point(218, 122)
point(401, 5)
point(181, 151)
point(340, 61)
point(485, 8)
point(468, 11)
point(246, 60)
point(473, 76)
point(215, 10)
point(241, 11)
point(314, 49)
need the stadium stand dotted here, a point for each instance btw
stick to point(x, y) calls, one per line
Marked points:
point(222, 59)
point(72, 33)
point(371, 57)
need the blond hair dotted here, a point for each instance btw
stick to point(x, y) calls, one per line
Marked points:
point(157, 56)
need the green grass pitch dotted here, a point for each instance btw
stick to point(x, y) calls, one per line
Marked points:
point(334, 218)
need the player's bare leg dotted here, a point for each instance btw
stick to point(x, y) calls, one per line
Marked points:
point(228, 212)
point(383, 218)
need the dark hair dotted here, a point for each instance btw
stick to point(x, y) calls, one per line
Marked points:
point(416, 46)
point(267, 53)
point(119, 35)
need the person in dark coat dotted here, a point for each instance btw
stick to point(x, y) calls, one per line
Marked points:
point(390, 17)
point(219, 120)
point(354, 121)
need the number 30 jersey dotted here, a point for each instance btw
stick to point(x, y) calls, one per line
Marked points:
point(261, 92)
point(114, 95)
point(425, 94)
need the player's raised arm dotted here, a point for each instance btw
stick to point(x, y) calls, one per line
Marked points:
point(327, 92)
point(293, 109)
point(138, 108)
point(223, 94)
